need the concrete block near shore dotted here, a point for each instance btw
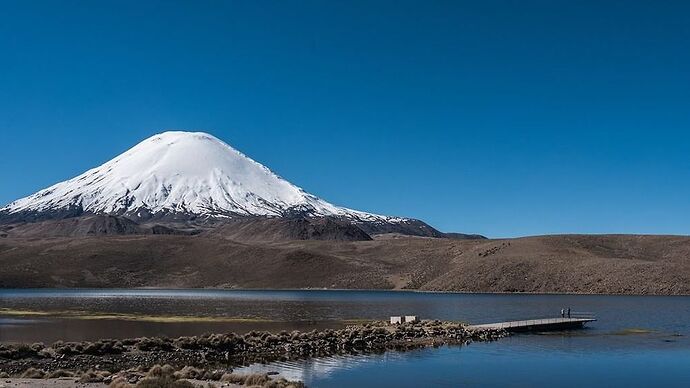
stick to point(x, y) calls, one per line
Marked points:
point(397, 320)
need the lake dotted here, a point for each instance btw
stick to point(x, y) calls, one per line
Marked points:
point(637, 340)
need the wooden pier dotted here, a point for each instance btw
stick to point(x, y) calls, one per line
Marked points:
point(546, 324)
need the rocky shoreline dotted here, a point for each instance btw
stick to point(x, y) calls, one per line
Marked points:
point(216, 354)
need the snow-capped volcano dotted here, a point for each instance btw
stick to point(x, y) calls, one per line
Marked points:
point(183, 173)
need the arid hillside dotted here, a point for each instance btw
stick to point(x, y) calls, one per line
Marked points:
point(617, 264)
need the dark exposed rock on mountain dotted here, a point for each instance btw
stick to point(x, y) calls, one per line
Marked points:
point(91, 225)
point(463, 236)
point(258, 229)
point(409, 227)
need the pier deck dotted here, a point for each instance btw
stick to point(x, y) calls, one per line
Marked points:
point(546, 324)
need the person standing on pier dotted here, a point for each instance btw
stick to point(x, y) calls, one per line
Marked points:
point(568, 312)
point(562, 313)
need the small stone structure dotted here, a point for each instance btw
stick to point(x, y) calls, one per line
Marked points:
point(397, 320)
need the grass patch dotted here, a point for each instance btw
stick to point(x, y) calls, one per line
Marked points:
point(85, 315)
point(633, 331)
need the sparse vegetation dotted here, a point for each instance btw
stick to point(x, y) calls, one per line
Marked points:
point(56, 374)
point(543, 264)
point(33, 373)
point(258, 379)
point(93, 376)
point(190, 372)
point(119, 382)
point(163, 377)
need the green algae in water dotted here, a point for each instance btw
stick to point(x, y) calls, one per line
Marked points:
point(87, 315)
point(633, 331)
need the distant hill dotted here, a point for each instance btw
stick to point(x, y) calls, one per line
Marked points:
point(611, 264)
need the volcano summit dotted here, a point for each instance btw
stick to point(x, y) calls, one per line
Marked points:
point(189, 176)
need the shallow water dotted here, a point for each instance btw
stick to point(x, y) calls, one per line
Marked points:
point(637, 340)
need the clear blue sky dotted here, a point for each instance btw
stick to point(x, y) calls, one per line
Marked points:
point(505, 118)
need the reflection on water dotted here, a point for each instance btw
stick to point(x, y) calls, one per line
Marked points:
point(637, 341)
point(324, 369)
point(492, 364)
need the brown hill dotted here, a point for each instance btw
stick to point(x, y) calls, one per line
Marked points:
point(572, 263)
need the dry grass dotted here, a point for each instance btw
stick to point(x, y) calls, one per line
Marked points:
point(260, 380)
point(33, 373)
point(56, 374)
point(93, 376)
point(119, 383)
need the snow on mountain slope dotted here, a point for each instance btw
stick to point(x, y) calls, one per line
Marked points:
point(190, 173)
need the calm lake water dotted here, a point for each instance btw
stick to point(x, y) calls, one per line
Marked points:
point(637, 340)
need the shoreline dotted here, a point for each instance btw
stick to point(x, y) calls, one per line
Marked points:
point(225, 351)
point(374, 290)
